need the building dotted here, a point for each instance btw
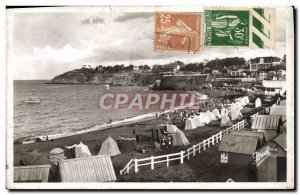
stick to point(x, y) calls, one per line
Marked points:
point(261, 75)
point(281, 74)
point(238, 149)
point(135, 68)
point(268, 124)
point(264, 63)
point(90, 169)
point(215, 72)
point(273, 167)
point(272, 87)
point(238, 73)
point(36, 173)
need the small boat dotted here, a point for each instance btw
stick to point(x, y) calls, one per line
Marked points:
point(31, 100)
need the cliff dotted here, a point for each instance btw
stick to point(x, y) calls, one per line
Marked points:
point(185, 82)
point(91, 76)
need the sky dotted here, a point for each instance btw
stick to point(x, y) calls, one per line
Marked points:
point(46, 44)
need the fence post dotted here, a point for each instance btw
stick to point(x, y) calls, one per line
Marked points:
point(152, 163)
point(194, 150)
point(135, 165)
point(167, 161)
point(203, 145)
point(213, 140)
point(199, 148)
point(181, 157)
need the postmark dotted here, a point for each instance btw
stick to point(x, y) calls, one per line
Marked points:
point(227, 28)
point(177, 31)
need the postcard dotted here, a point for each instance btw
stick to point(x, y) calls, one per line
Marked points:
point(156, 97)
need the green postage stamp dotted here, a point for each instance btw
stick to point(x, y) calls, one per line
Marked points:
point(227, 28)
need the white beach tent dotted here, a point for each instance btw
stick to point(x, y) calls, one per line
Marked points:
point(199, 121)
point(203, 118)
point(109, 147)
point(247, 100)
point(257, 103)
point(206, 118)
point(172, 128)
point(225, 121)
point(210, 116)
point(216, 113)
point(239, 105)
point(81, 150)
point(190, 124)
point(224, 112)
point(235, 114)
point(179, 139)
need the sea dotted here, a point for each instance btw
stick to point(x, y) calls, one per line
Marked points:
point(65, 108)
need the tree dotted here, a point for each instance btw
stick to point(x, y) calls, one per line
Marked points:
point(146, 67)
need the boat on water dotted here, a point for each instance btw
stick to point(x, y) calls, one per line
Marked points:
point(31, 100)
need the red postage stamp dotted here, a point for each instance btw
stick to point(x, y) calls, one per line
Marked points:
point(177, 31)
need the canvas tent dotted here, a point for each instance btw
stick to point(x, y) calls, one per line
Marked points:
point(204, 118)
point(257, 103)
point(79, 150)
point(216, 113)
point(179, 139)
point(247, 100)
point(190, 124)
point(235, 114)
point(210, 116)
point(199, 121)
point(239, 105)
point(207, 119)
point(172, 128)
point(109, 147)
point(224, 112)
point(225, 121)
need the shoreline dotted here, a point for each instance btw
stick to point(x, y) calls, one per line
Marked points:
point(101, 127)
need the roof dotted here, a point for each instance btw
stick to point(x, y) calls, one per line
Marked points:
point(37, 173)
point(90, 169)
point(238, 144)
point(265, 122)
point(281, 140)
point(260, 135)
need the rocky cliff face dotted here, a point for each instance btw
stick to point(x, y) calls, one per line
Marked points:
point(90, 76)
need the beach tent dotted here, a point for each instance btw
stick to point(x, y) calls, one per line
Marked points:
point(247, 100)
point(224, 112)
point(109, 147)
point(206, 118)
point(210, 116)
point(172, 128)
point(199, 121)
point(239, 105)
point(233, 106)
point(190, 124)
point(203, 118)
point(225, 121)
point(257, 103)
point(79, 150)
point(179, 139)
point(243, 101)
point(56, 155)
point(235, 114)
point(216, 113)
